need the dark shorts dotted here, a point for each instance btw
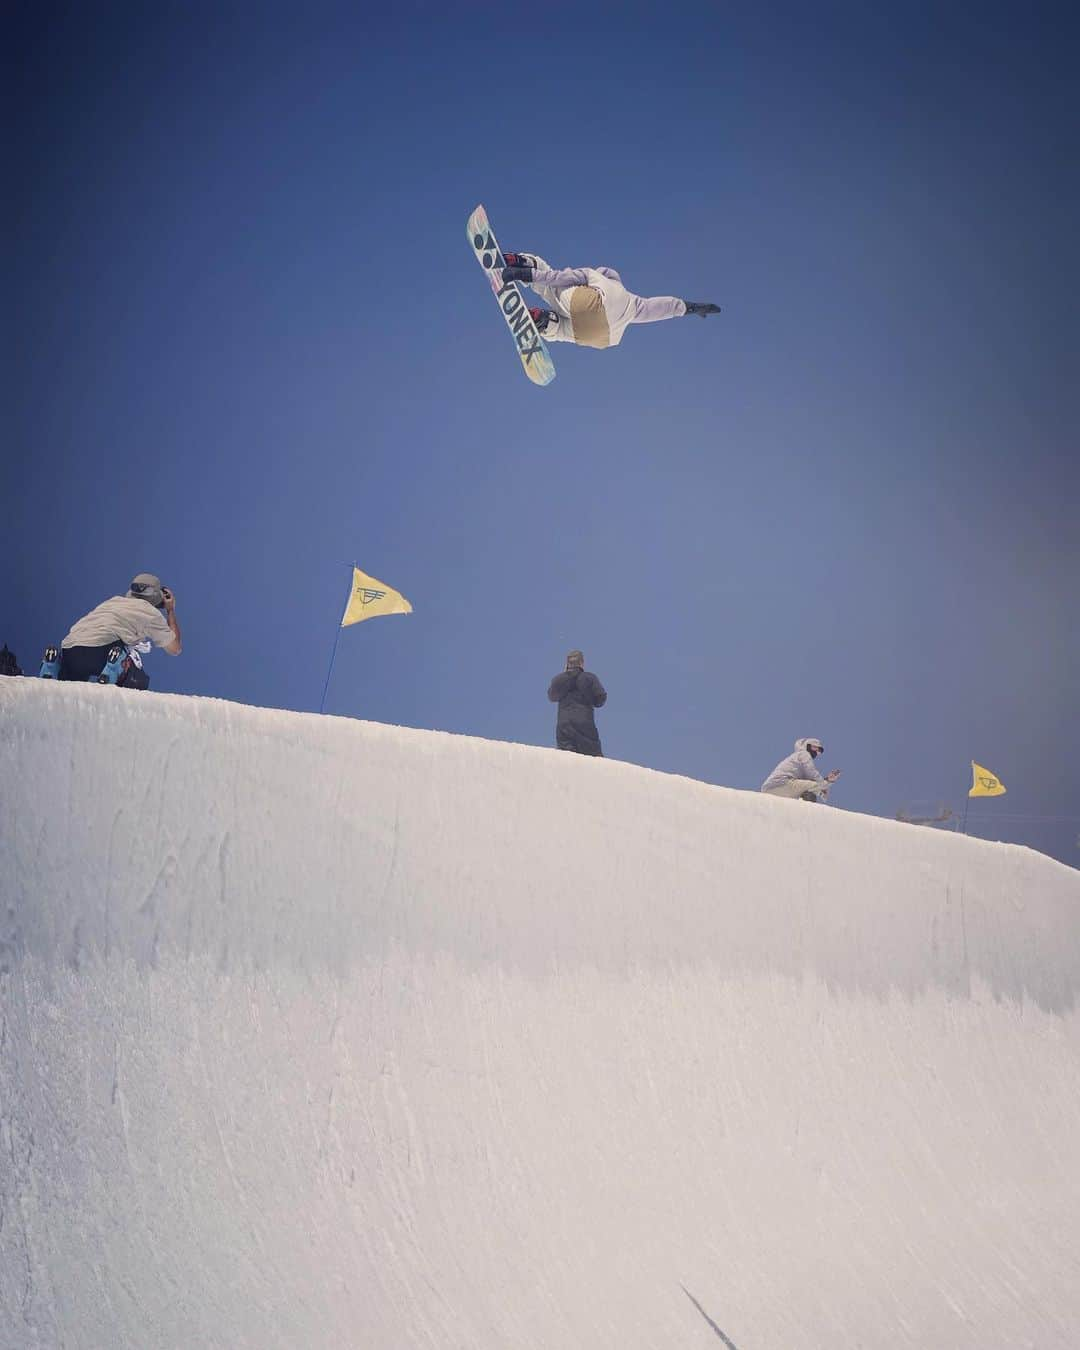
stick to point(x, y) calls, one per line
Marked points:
point(84, 663)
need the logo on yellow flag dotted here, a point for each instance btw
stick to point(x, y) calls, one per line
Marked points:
point(370, 598)
point(984, 783)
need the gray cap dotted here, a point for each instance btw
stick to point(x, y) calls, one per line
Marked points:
point(146, 586)
point(575, 658)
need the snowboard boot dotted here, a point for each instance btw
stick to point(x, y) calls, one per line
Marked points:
point(50, 664)
point(546, 320)
point(520, 260)
point(115, 665)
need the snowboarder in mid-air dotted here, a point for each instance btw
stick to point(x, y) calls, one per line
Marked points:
point(577, 692)
point(590, 305)
point(796, 776)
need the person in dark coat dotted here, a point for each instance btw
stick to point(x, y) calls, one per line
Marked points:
point(577, 692)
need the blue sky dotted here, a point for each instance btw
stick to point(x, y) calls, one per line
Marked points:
point(251, 345)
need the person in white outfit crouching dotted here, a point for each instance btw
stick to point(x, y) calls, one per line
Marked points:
point(796, 776)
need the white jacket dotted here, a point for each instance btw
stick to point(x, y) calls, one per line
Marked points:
point(800, 765)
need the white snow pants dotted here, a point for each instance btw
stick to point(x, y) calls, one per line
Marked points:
point(560, 299)
point(557, 299)
point(795, 787)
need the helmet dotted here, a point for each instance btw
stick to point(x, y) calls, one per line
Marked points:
point(809, 743)
point(147, 587)
point(575, 661)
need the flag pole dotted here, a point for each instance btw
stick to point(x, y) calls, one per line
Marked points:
point(333, 656)
point(967, 803)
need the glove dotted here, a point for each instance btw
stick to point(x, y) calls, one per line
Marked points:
point(524, 274)
point(701, 307)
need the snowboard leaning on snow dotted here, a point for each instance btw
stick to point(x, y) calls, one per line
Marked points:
point(535, 357)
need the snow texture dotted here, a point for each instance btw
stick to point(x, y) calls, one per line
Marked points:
point(324, 1033)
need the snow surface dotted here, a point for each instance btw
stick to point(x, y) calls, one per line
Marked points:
point(321, 1033)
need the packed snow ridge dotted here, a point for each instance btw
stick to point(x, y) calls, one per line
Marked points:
point(321, 1033)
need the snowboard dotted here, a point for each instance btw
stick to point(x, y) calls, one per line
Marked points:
point(535, 357)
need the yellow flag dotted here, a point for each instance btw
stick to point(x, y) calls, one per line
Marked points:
point(984, 783)
point(370, 598)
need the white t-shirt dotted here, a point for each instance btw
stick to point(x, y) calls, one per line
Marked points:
point(124, 618)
